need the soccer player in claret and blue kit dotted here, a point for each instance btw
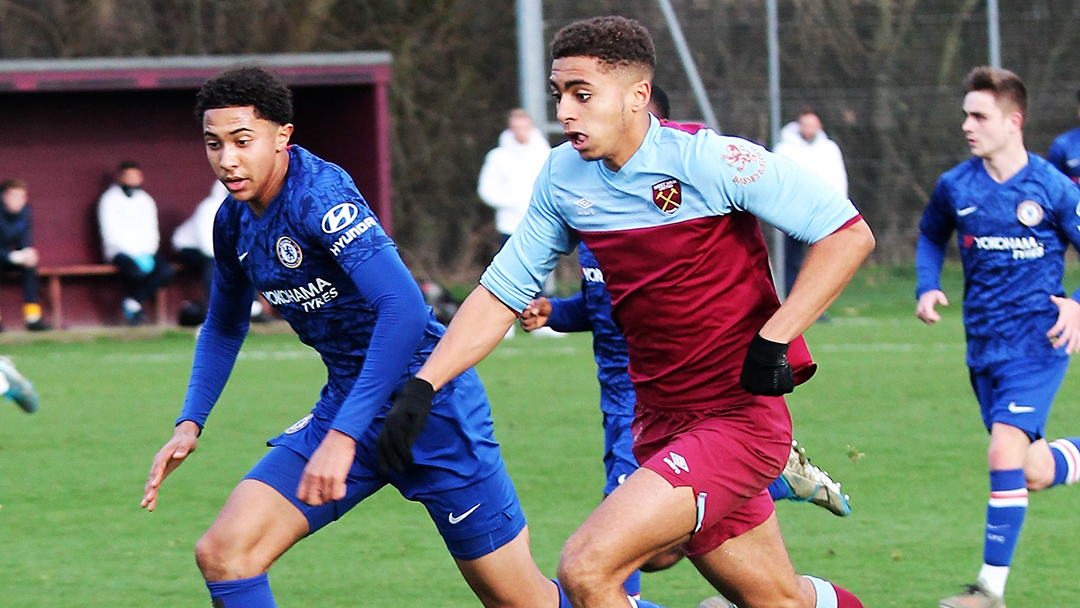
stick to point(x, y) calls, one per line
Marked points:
point(1014, 215)
point(295, 228)
point(670, 217)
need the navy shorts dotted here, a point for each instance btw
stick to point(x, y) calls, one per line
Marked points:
point(1019, 392)
point(458, 473)
point(619, 461)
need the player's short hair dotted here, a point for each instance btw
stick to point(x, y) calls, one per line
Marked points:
point(1003, 84)
point(127, 164)
point(616, 42)
point(11, 184)
point(661, 102)
point(807, 111)
point(247, 86)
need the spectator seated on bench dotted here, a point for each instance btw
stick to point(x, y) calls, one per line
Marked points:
point(130, 239)
point(17, 254)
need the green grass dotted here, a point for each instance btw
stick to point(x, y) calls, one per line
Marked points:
point(71, 476)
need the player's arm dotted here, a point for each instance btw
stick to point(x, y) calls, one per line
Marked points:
point(216, 350)
point(805, 206)
point(561, 314)
point(1066, 331)
point(506, 288)
point(401, 317)
point(936, 226)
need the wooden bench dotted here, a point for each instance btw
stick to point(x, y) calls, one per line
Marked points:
point(53, 276)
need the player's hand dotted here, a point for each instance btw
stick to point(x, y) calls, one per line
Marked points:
point(403, 424)
point(536, 314)
point(184, 440)
point(1066, 332)
point(925, 308)
point(766, 370)
point(324, 476)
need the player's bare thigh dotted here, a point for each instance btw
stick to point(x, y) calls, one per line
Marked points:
point(754, 570)
point(508, 577)
point(254, 528)
point(641, 518)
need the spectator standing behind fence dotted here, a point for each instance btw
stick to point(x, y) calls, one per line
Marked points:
point(129, 236)
point(805, 142)
point(16, 228)
point(1065, 151)
point(507, 177)
point(193, 242)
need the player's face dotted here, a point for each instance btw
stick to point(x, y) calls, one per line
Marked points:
point(245, 152)
point(598, 107)
point(989, 128)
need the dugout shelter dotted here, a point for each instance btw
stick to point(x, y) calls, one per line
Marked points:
point(65, 125)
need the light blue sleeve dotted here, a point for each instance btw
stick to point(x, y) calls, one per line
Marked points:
point(773, 188)
point(517, 273)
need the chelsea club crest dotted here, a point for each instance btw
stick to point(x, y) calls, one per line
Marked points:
point(289, 253)
point(1029, 213)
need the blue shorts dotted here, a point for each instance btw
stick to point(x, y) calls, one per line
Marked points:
point(619, 461)
point(1019, 392)
point(458, 473)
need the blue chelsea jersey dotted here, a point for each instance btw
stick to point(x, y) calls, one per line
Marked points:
point(1065, 153)
point(299, 255)
point(609, 346)
point(1012, 238)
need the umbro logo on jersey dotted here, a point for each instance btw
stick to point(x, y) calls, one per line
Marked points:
point(338, 217)
point(966, 211)
point(585, 206)
point(667, 195)
point(677, 463)
point(456, 520)
point(1020, 409)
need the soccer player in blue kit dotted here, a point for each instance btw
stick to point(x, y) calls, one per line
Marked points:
point(296, 229)
point(1014, 215)
point(1064, 151)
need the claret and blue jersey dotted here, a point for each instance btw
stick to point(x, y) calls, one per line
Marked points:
point(1012, 238)
point(683, 258)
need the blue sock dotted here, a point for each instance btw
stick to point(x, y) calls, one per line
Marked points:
point(1004, 515)
point(780, 489)
point(633, 583)
point(1066, 453)
point(564, 602)
point(244, 593)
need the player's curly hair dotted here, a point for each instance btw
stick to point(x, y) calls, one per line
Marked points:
point(1004, 85)
point(615, 41)
point(247, 86)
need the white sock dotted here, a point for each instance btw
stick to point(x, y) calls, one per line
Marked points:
point(994, 578)
point(826, 593)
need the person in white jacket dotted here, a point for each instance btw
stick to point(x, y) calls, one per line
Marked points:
point(506, 179)
point(128, 219)
point(805, 142)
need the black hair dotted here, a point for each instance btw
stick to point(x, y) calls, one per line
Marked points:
point(660, 100)
point(247, 86)
point(615, 41)
point(128, 164)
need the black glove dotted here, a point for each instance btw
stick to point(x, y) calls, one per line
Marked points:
point(766, 370)
point(403, 424)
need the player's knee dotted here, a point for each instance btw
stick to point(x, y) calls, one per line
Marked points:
point(1038, 476)
point(218, 560)
point(579, 571)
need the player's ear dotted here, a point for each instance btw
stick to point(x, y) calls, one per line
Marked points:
point(284, 133)
point(641, 92)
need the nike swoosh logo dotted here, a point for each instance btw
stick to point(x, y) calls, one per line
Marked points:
point(966, 211)
point(242, 256)
point(454, 520)
point(1020, 409)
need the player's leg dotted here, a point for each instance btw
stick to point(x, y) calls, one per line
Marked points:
point(260, 521)
point(619, 464)
point(508, 577)
point(643, 517)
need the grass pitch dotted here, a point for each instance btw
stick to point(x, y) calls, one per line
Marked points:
point(890, 414)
